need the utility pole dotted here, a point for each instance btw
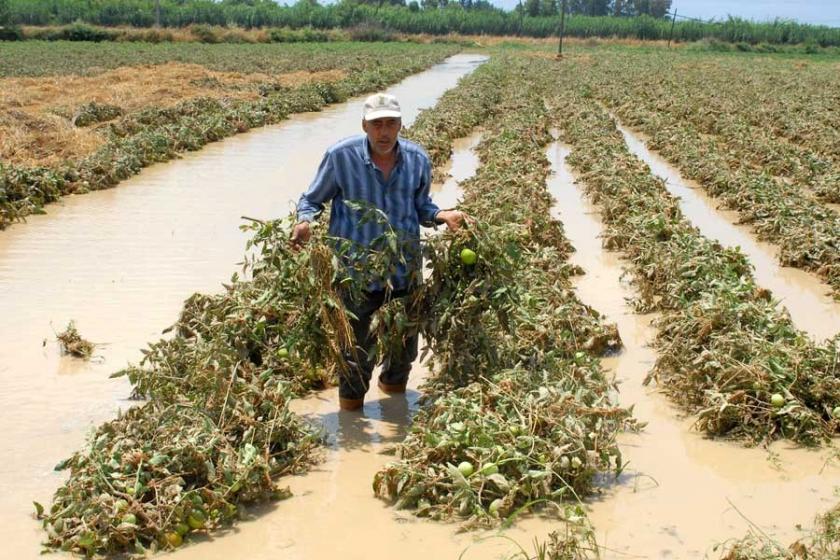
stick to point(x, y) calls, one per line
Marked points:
point(521, 15)
point(562, 27)
point(673, 22)
point(157, 13)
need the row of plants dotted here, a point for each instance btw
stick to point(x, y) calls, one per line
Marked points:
point(201, 32)
point(727, 352)
point(778, 210)
point(518, 414)
point(43, 58)
point(780, 121)
point(159, 134)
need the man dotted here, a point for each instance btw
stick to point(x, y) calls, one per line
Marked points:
point(380, 169)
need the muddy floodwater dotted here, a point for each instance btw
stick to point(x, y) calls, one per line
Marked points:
point(680, 493)
point(121, 262)
point(804, 295)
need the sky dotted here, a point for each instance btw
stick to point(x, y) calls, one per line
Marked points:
point(822, 12)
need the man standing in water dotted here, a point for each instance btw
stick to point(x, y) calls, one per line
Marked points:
point(394, 175)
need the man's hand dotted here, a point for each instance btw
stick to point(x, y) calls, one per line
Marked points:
point(454, 218)
point(300, 235)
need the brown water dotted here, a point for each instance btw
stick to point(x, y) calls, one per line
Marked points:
point(462, 166)
point(680, 493)
point(804, 295)
point(120, 262)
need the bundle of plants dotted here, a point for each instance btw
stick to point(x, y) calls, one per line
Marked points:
point(822, 544)
point(284, 317)
point(726, 350)
point(525, 436)
point(72, 342)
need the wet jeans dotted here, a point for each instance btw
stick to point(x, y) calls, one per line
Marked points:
point(395, 367)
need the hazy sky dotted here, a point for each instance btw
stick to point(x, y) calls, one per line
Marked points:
point(824, 12)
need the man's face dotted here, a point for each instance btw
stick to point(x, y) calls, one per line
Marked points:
point(382, 134)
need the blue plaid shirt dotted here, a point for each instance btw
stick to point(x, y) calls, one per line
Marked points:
point(347, 173)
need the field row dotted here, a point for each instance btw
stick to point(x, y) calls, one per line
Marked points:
point(736, 161)
point(519, 410)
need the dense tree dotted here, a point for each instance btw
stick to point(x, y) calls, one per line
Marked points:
point(590, 7)
point(5, 13)
point(655, 8)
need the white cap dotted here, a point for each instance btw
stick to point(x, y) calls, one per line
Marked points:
point(381, 105)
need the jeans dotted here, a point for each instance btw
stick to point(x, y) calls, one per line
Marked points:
point(395, 367)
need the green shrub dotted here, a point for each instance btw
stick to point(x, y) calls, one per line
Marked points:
point(79, 31)
point(204, 33)
point(372, 32)
point(10, 33)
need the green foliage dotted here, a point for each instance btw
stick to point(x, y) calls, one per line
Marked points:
point(588, 18)
point(5, 12)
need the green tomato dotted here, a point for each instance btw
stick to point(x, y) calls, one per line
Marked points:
point(777, 400)
point(576, 462)
point(466, 468)
point(129, 518)
point(836, 412)
point(468, 256)
point(494, 507)
point(182, 529)
point(174, 540)
point(489, 468)
point(120, 505)
point(283, 353)
point(565, 463)
point(196, 520)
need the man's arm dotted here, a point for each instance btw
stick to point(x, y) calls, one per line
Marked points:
point(427, 210)
point(311, 203)
point(322, 189)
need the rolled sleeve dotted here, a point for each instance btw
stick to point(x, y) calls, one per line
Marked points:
point(322, 189)
point(426, 209)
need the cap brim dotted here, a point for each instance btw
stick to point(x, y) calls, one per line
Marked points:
point(383, 114)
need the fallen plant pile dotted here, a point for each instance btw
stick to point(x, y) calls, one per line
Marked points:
point(72, 343)
point(518, 412)
point(726, 351)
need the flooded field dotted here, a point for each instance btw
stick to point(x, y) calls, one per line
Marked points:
point(680, 493)
point(806, 297)
point(121, 262)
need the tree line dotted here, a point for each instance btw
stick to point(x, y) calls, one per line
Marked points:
point(634, 19)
